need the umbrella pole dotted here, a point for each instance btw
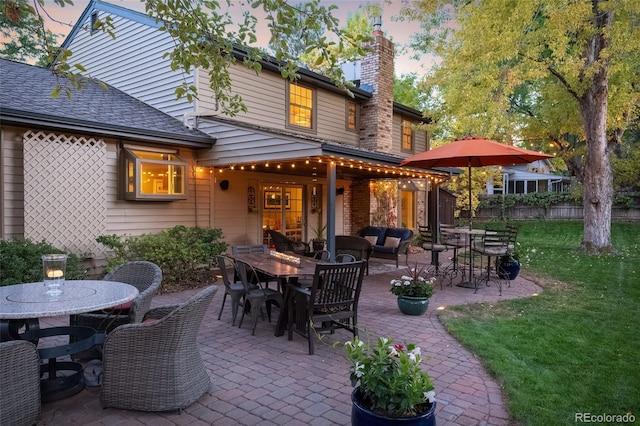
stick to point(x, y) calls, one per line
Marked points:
point(469, 184)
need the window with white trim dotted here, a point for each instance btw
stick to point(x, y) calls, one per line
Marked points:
point(152, 175)
point(301, 106)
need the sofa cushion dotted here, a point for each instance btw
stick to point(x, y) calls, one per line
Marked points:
point(401, 233)
point(373, 239)
point(383, 249)
point(378, 231)
point(392, 242)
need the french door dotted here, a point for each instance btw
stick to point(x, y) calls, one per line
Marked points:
point(283, 211)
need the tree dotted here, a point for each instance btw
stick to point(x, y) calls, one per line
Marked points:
point(18, 41)
point(206, 35)
point(574, 66)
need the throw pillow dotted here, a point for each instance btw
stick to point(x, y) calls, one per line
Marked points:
point(392, 242)
point(373, 239)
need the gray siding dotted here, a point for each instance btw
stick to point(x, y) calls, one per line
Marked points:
point(133, 63)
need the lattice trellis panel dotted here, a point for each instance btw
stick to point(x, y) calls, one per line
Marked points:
point(65, 190)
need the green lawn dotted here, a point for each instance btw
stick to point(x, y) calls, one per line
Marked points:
point(574, 348)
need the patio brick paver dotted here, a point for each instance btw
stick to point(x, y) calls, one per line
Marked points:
point(267, 380)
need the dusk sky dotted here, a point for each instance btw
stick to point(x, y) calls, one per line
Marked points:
point(399, 32)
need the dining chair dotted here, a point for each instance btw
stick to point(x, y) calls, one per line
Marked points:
point(156, 365)
point(235, 290)
point(330, 303)
point(455, 242)
point(256, 298)
point(253, 248)
point(146, 277)
point(494, 244)
point(19, 383)
point(430, 244)
point(345, 258)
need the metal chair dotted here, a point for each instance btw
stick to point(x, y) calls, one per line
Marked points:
point(345, 258)
point(330, 303)
point(256, 298)
point(255, 248)
point(146, 277)
point(456, 242)
point(494, 244)
point(235, 290)
point(156, 365)
point(19, 383)
point(431, 245)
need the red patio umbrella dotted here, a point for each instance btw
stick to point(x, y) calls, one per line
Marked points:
point(473, 151)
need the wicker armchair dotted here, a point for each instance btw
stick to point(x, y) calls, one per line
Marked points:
point(146, 277)
point(358, 247)
point(156, 365)
point(19, 383)
point(284, 244)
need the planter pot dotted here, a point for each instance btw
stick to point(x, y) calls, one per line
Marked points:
point(508, 270)
point(317, 245)
point(362, 416)
point(413, 305)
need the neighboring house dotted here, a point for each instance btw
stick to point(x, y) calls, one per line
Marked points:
point(529, 178)
point(301, 150)
point(59, 174)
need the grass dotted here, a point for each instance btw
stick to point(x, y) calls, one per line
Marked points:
point(575, 348)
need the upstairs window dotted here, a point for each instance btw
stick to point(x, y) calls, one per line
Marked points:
point(352, 116)
point(152, 175)
point(407, 136)
point(301, 106)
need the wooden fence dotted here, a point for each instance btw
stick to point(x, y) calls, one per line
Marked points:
point(560, 211)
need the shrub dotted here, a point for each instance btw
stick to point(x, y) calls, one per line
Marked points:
point(21, 261)
point(180, 251)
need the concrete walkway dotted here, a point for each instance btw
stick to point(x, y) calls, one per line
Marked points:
point(267, 380)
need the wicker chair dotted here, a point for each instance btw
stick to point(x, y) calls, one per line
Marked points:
point(19, 383)
point(330, 303)
point(360, 248)
point(156, 365)
point(146, 277)
point(284, 244)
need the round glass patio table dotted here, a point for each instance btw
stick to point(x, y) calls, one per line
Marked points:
point(21, 305)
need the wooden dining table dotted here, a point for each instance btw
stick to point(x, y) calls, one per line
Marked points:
point(287, 275)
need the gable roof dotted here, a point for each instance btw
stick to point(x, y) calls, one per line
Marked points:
point(27, 101)
point(268, 63)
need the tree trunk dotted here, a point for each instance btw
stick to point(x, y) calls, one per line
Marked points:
point(598, 176)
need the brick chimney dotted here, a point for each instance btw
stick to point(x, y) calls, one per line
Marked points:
point(376, 115)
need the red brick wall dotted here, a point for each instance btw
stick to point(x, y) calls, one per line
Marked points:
point(376, 115)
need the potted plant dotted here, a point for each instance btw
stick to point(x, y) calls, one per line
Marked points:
point(508, 266)
point(390, 386)
point(318, 241)
point(413, 290)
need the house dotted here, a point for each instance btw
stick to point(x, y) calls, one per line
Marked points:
point(529, 178)
point(302, 149)
point(59, 159)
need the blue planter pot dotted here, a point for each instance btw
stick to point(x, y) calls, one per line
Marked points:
point(508, 270)
point(413, 305)
point(362, 416)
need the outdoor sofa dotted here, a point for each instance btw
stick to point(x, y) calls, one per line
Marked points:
point(388, 243)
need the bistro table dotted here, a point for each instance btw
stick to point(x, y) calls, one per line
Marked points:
point(286, 273)
point(469, 234)
point(21, 306)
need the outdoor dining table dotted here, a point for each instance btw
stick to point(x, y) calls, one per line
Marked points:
point(469, 234)
point(21, 307)
point(287, 274)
